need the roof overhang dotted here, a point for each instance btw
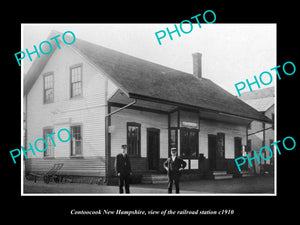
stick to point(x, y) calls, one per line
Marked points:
point(164, 106)
point(121, 69)
point(187, 106)
point(38, 65)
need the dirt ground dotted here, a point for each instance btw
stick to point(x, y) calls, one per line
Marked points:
point(246, 185)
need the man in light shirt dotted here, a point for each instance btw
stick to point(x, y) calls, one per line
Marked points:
point(174, 165)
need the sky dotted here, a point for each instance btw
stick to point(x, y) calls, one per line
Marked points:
point(231, 53)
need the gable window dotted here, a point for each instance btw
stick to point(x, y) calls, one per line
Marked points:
point(50, 149)
point(133, 139)
point(48, 88)
point(76, 141)
point(76, 81)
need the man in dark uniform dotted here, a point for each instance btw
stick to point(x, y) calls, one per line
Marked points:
point(174, 165)
point(123, 169)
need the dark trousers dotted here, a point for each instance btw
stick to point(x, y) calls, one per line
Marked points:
point(173, 178)
point(124, 181)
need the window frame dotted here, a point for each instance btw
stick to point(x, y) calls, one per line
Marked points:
point(189, 130)
point(175, 130)
point(51, 153)
point(44, 87)
point(81, 81)
point(221, 148)
point(130, 153)
point(71, 142)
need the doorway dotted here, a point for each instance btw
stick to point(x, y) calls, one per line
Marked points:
point(153, 148)
point(238, 150)
point(212, 148)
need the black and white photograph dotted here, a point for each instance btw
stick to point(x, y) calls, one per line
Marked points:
point(124, 111)
point(123, 98)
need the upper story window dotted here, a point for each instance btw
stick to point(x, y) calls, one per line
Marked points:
point(48, 88)
point(76, 81)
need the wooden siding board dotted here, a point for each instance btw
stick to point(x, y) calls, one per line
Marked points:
point(214, 127)
point(89, 167)
point(147, 120)
point(87, 111)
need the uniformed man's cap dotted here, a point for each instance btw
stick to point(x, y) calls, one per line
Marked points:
point(173, 150)
point(123, 146)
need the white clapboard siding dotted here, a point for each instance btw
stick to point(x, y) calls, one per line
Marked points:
point(147, 120)
point(71, 166)
point(214, 127)
point(87, 111)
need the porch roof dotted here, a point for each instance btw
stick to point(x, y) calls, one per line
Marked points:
point(142, 79)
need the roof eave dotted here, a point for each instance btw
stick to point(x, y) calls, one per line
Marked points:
point(38, 65)
point(153, 99)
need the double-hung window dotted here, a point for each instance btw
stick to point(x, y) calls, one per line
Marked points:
point(134, 138)
point(76, 140)
point(50, 147)
point(76, 81)
point(48, 88)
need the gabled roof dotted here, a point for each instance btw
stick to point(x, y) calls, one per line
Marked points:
point(259, 94)
point(261, 99)
point(139, 78)
point(262, 104)
point(37, 66)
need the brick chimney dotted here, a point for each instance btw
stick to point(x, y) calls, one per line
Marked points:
point(197, 64)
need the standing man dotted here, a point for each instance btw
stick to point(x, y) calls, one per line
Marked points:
point(123, 169)
point(174, 165)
